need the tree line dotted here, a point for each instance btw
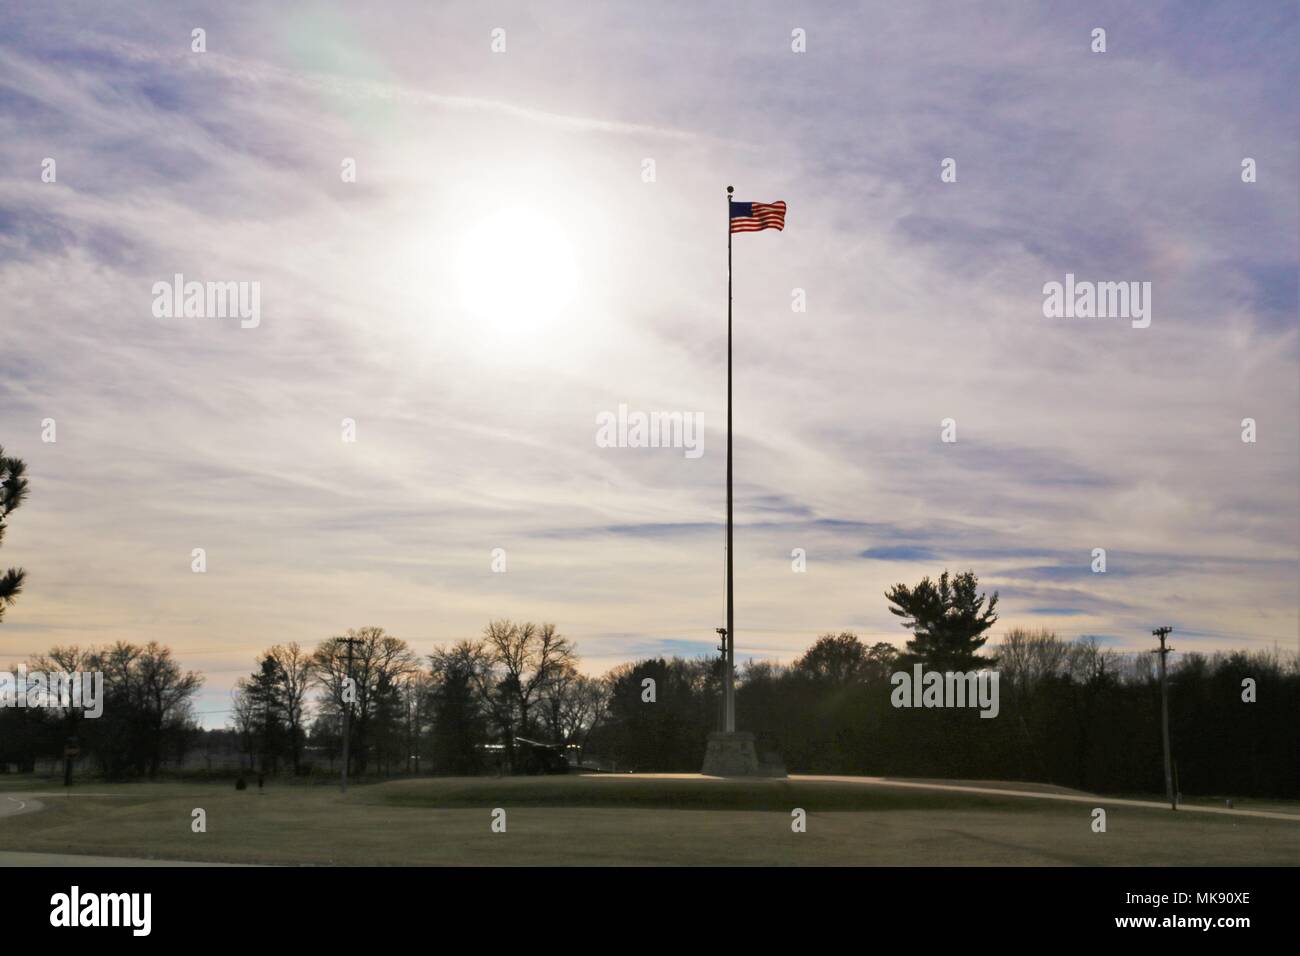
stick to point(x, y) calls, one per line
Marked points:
point(519, 680)
point(1071, 713)
point(146, 724)
point(407, 714)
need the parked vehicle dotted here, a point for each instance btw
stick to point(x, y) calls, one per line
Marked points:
point(531, 757)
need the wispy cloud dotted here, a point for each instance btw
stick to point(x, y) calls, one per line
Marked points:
point(924, 303)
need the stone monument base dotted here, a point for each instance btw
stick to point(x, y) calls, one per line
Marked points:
point(734, 755)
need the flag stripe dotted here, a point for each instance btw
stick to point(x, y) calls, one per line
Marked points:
point(757, 216)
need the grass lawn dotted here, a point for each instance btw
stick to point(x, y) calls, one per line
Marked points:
point(619, 820)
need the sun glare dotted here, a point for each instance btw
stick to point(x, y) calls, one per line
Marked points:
point(517, 272)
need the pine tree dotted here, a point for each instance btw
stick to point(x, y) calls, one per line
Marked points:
point(949, 620)
point(13, 489)
point(264, 693)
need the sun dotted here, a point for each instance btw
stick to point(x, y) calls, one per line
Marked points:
point(517, 273)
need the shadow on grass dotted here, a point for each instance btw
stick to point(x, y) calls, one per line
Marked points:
point(613, 791)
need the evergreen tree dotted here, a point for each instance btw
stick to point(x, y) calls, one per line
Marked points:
point(948, 620)
point(263, 692)
point(459, 721)
point(13, 489)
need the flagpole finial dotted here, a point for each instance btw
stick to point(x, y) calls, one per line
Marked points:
point(730, 190)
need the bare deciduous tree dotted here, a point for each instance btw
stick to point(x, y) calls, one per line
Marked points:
point(295, 666)
point(380, 664)
point(526, 656)
point(573, 705)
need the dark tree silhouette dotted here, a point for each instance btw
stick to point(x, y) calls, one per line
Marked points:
point(843, 659)
point(13, 489)
point(295, 676)
point(380, 665)
point(460, 719)
point(669, 733)
point(531, 656)
point(263, 697)
point(948, 618)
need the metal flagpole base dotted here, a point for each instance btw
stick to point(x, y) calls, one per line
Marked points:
point(733, 755)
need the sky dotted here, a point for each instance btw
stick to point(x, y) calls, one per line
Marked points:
point(536, 235)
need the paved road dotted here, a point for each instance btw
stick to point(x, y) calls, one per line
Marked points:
point(23, 858)
point(1092, 799)
point(1069, 797)
point(12, 806)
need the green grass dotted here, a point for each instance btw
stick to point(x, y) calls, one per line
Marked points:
point(626, 792)
point(618, 820)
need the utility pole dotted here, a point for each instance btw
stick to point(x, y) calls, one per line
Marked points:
point(347, 708)
point(266, 721)
point(1163, 651)
point(266, 728)
point(410, 739)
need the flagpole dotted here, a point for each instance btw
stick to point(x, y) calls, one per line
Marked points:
point(729, 663)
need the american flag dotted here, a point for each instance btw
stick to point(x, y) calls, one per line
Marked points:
point(756, 216)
